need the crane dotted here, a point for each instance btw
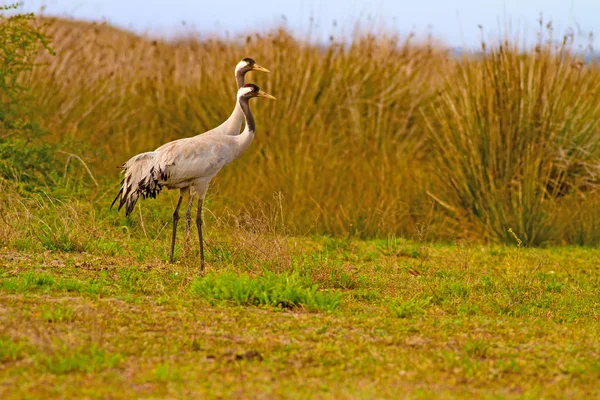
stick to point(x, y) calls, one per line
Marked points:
point(189, 163)
point(231, 126)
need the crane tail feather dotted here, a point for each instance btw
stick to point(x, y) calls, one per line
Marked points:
point(142, 178)
point(115, 200)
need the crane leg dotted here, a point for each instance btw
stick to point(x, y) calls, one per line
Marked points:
point(175, 219)
point(188, 219)
point(199, 225)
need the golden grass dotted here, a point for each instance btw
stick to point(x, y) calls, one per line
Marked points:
point(516, 133)
point(377, 137)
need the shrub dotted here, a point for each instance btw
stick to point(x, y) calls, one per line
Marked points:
point(23, 157)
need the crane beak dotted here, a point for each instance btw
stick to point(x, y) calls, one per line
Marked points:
point(265, 95)
point(257, 67)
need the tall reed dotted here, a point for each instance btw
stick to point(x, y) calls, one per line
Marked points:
point(379, 136)
point(515, 131)
point(343, 146)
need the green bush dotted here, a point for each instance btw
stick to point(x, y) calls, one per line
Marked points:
point(23, 155)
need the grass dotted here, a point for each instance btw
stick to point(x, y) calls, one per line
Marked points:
point(430, 320)
point(87, 359)
point(10, 351)
point(350, 252)
point(283, 290)
point(511, 140)
point(513, 145)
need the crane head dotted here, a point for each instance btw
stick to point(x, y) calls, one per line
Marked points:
point(247, 65)
point(250, 90)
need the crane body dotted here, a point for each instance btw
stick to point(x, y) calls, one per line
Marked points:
point(189, 163)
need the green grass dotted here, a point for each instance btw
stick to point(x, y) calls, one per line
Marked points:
point(10, 350)
point(425, 320)
point(88, 359)
point(283, 291)
point(90, 309)
point(57, 314)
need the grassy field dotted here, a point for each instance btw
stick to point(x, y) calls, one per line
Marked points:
point(390, 318)
point(354, 251)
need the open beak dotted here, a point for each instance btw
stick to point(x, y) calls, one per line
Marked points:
point(257, 67)
point(265, 95)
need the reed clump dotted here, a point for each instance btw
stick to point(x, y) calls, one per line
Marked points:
point(516, 139)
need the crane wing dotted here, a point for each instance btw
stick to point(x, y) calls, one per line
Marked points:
point(174, 164)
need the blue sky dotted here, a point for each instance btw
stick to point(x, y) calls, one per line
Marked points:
point(453, 21)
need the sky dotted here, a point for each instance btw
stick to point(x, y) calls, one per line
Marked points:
point(454, 22)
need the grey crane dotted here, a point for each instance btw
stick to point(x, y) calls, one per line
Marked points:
point(231, 126)
point(187, 163)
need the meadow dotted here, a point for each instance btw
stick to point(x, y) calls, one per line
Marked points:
point(407, 223)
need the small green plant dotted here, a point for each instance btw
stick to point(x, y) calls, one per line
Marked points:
point(409, 308)
point(452, 290)
point(10, 350)
point(342, 279)
point(133, 281)
point(104, 245)
point(59, 313)
point(554, 286)
point(476, 348)
point(33, 280)
point(165, 372)
point(82, 359)
point(72, 285)
point(282, 290)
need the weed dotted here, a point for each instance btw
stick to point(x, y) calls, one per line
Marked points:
point(166, 373)
point(476, 348)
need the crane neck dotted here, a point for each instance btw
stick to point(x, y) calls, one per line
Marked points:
point(245, 138)
point(250, 125)
point(232, 125)
point(239, 78)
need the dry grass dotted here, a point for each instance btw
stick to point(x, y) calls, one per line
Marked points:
point(344, 145)
point(378, 137)
point(516, 133)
